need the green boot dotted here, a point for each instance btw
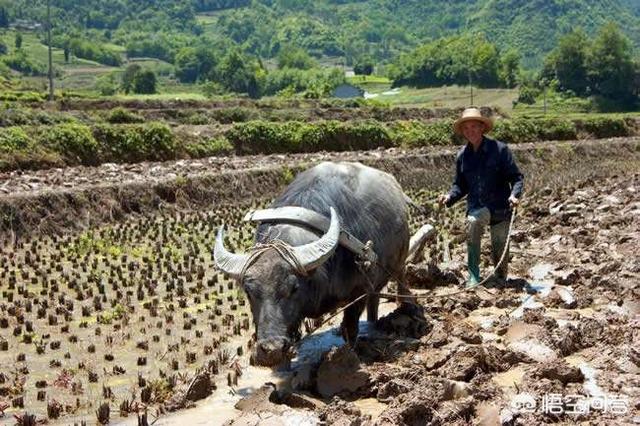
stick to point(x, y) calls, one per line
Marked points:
point(473, 265)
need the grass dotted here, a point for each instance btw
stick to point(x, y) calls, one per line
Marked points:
point(207, 19)
point(38, 52)
point(163, 96)
point(368, 79)
point(441, 97)
point(78, 74)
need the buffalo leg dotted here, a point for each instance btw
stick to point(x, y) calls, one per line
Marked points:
point(405, 292)
point(372, 308)
point(350, 318)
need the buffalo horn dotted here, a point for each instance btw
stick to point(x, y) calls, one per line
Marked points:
point(228, 262)
point(316, 253)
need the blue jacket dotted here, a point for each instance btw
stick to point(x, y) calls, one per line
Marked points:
point(488, 177)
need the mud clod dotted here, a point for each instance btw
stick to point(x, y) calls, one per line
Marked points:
point(408, 320)
point(200, 387)
point(342, 413)
point(340, 373)
point(560, 371)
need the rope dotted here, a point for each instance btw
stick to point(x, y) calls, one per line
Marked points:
point(283, 249)
point(424, 296)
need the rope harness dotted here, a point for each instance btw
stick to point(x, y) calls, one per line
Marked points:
point(425, 296)
point(366, 259)
point(284, 250)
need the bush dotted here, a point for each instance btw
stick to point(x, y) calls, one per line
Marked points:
point(133, 143)
point(20, 62)
point(14, 117)
point(515, 131)
point(255, 137)
point(107, 85)
point(27, 96)
point(22, 117)
point(293, 136)
point(144, 82)
point(195, 119)
point(527, 95)
point(159, 141)
point(94, 52)
point(557, 129)
point(414, 134)
point(119, 143)
point(207, 148)
point(338, 136)
point(211, 89)
point(13, 139)
point(605, 127)
point(234, 115)
point(73, 141)
point(122, 115)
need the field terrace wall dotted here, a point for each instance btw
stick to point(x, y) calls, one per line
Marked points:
point(67, 210)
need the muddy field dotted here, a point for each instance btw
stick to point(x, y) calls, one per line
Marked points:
point(128, 322)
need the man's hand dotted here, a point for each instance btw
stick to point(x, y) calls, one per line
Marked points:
point(443, 199)
point(513, 201)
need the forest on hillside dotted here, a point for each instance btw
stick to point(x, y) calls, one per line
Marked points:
point(379, 29)
point(285, 47)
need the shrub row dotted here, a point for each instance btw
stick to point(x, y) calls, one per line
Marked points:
point(12, 114)
point(265, 137)
point(73, 143)
point(268, 137)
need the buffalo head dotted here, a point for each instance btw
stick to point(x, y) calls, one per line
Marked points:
point(275, 278)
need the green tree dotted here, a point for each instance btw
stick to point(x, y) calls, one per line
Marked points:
point(107, 84)
point(128, 77)
point(451, 60)
point(4, 15)
point(144, 82)
point(187, 65)
point(610, 65)
point(3, 48)
point(18, 40)
point(569, 61)
point(510, 68)
point(363, 66)
point(208, 60)
point(294, 57)
point(484, 63)
point(238, 74)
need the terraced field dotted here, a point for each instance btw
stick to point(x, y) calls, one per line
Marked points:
point(111, 310)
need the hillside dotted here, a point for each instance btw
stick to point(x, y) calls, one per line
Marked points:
point(380, 29)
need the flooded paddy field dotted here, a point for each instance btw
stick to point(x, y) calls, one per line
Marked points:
point(128, 322)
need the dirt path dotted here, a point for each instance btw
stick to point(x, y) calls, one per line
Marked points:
point(20, 183)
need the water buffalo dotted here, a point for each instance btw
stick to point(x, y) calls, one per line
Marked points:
point(314, 274)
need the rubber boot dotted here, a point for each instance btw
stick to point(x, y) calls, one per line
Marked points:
point(473, 265)
point(499, 233)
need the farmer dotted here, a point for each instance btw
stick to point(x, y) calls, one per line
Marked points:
point(487, 173)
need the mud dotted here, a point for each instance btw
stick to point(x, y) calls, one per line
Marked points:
point(491, 356)
point(566, 323)
point(44, 201)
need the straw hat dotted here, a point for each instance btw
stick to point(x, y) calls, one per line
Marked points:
point(472, 114)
